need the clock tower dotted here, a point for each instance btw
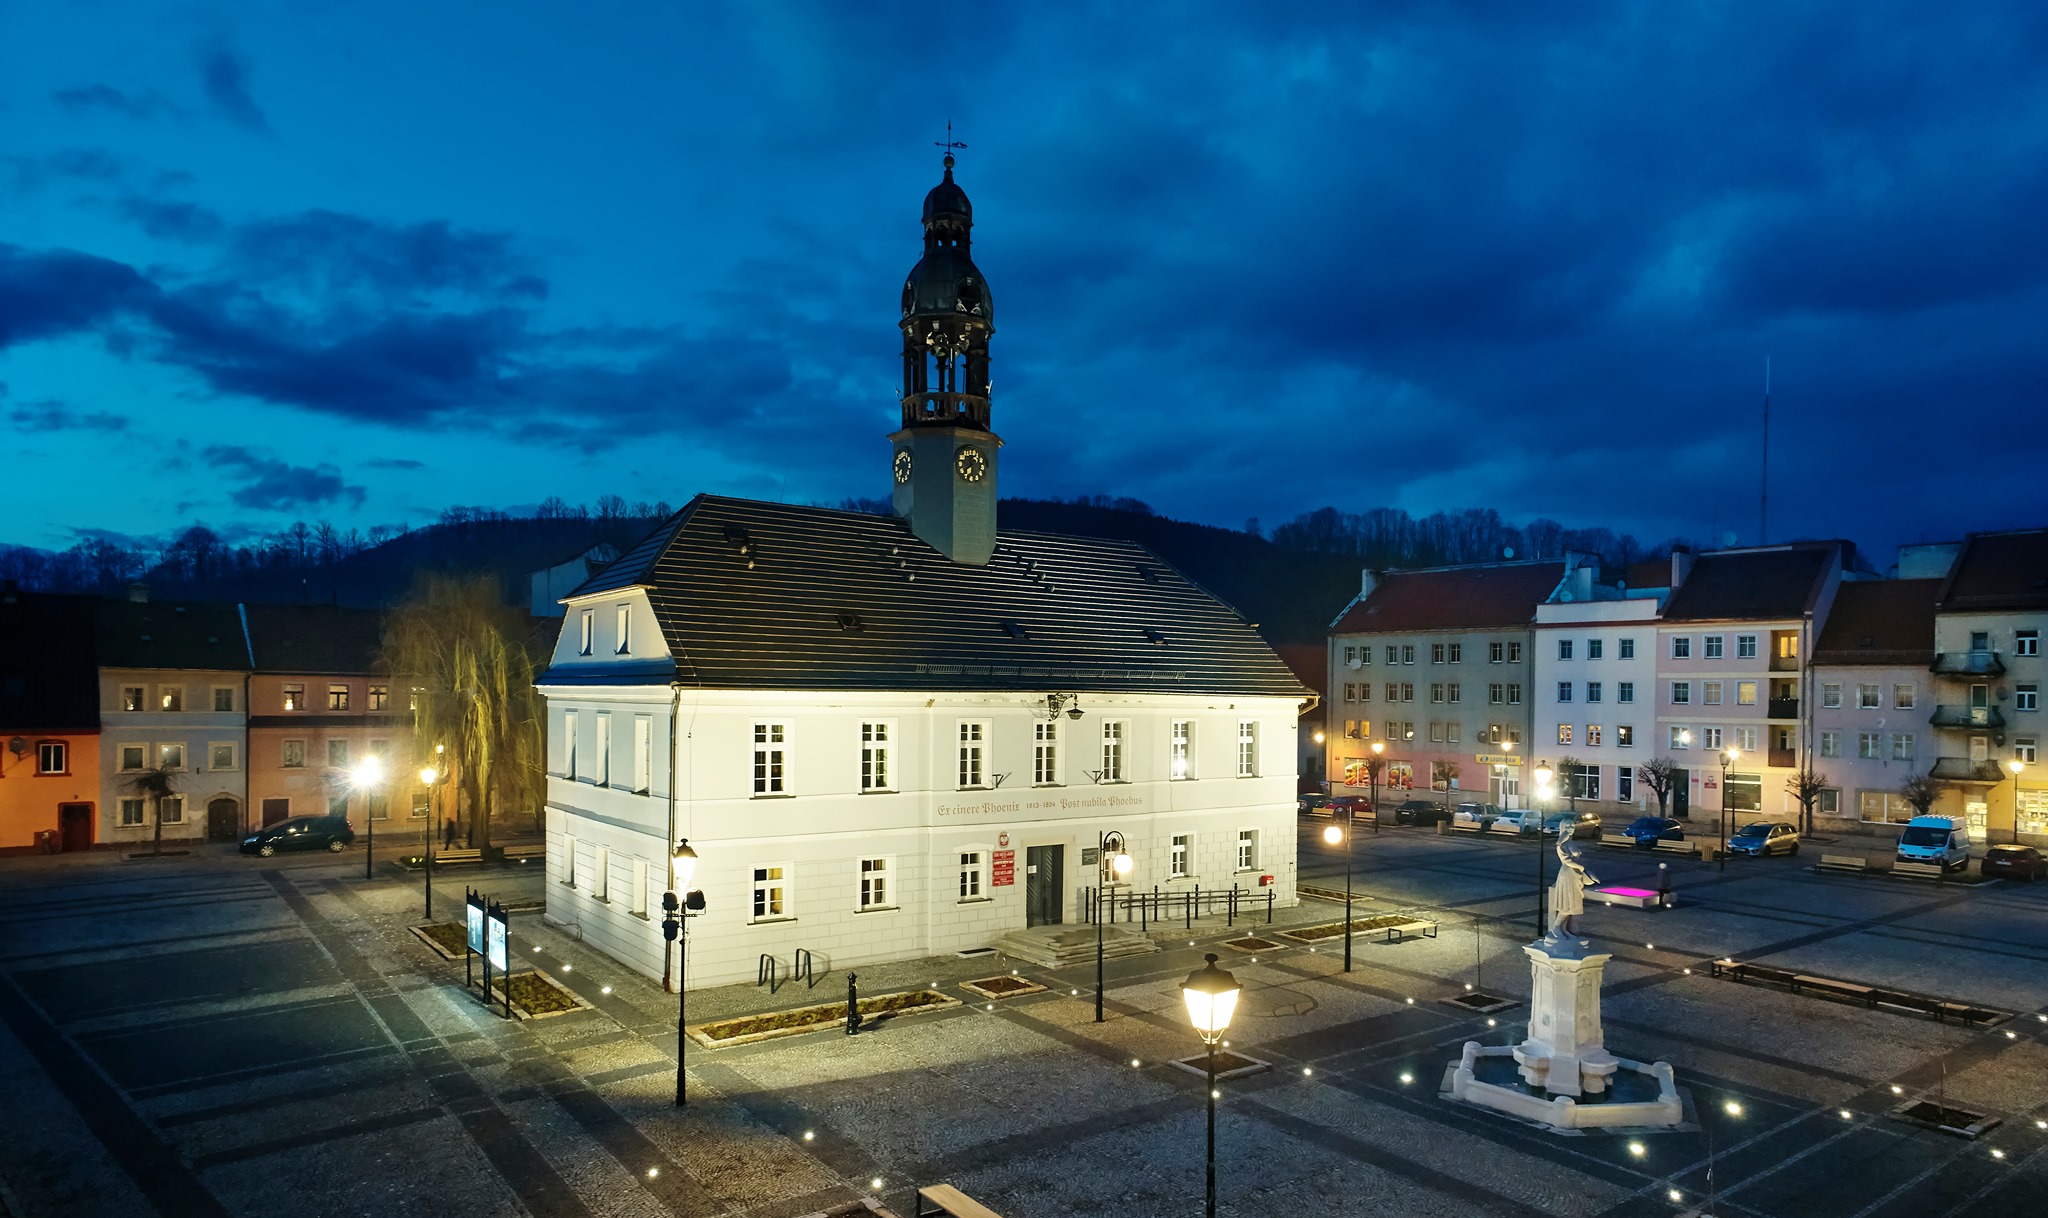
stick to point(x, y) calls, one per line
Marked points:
point(944, 458)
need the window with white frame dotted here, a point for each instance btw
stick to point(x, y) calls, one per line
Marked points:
point(2025, 748)
point(1495, 652)
point(1625, 648)
point(1514, 693)
point(588, 637)
point(1351, 691)
point(1454, 692)
point(1624, 784)
point(1624, 736)
point(601, 873)
point(973, 738)
point(1496, 693)
point(1365, 691)
point(131, 812)
point(170, 697)
point(1830, 801)
point(639, 887)
point(569, 733)
point(171, 809)
point(1393, 654)
point(973, 881)
point(1182, 856)
point(1593, 691)
point(1745, 693)
point(1681, 647)
point(1045, 753)
point(1436, 653)
point(224, 698)
point(53, 757)
point(1564, 649)
point(1593, 735)
point(292, 755)
point(1514, 653)
point(337, 697)
point(874, 882)
point(294, 697)
point(1713, 647)
point(643, 753)
point(1407, 691)
point(1710, 738)
point(1564, 691)
point(337, 754)
point(1181, 761)
point(1903, 695)
point(771, 892)
point(2026, 697)
point(1831, 695)
point(170, 756)
point(875, 743)
point(380, 697)
point(1745, 739)
point(1408, 653)
point(220, 755)
point(1867, 746)
point(133, 698)
point(1681, 693)
point(1831, 744)
point(1745, 647)
point(624, 626)
point(1247, 748)
point(1436, 692)
point(1710, 693)
point(1868, 697)
point(1564, 733)
point(1351, 656)
point(601, 772)
point(1113, 732)
point(1453, 732)
point(1681, 738)
point(1902, 746)
point(1457, 655)
point(1436, 732)
point(770, 758)
point(1594, 648)
point(134, 757)
point(1624, 691)
point(1247, 849)
point(2026, 642)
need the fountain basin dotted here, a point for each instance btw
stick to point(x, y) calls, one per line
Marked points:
point(1637, 1094)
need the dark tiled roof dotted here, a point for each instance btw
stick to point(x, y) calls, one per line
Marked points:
point(49, 674)
point(774, 596)
point(1773, 584)
point(323, 639)
point(1453, 598)
point(1997, 572)
point(171, 634)
point(1888, 622)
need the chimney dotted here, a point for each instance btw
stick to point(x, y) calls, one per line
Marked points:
point(1367, 581)
point(139, 593)
point(1681, 566)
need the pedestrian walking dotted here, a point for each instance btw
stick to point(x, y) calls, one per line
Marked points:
point(448, 834)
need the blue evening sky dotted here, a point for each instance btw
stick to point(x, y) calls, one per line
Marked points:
point(266, 261)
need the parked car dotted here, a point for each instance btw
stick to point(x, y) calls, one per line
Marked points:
point(1764, 837)
point(1573, 824)
point(1943, 840)
point(1332, 805)
point(302, 833)
point(1480, 814)
point(1647, 831)
point(1421, 812)
point(2015, 862)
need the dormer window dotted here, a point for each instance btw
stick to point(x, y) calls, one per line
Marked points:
point(625, 630)
point(589, 636)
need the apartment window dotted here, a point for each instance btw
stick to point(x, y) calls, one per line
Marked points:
point(1514, 693)
point(1364, 655)
point(1585, 781)
point(1247, 849)
point(643, 753)
point(1980, 640)
point(1393, 654)
point(1564, 691)
point(1350, 691)
point(1514, 653)
point(1681, 647)
point(1830, 802)
point(771, 895)
point(1830, 695)
point(874, 756)
point(1436, 732)
point(569, 735)
point(1564, 733)
point(1624, 784)
point(380, 697)
point(1624, 736)
point(1393, 691)
point(639, 889)
point(337, 697)
point(292, 755)
point(132, 697)
point(1180, 759)
point(170, 756)
point(134, 757)
point(1681, 738)
point(131, 812)
point(1564, 649)
point(1710, 738)
point(1745, 647)
point(1626, 649)
point(1624, 691)
point(1351, 656)
point(1247, 748)
point(588, 638)
point(1867, 697)
point(1594, 647)
point(970, 875)
point(972, 737)
point(1408, 653)
point(1494, 653)
point(1713, 646)
point(53, 757)
point(1436, 692)
point(874, 883)
point(1681, 693)
point(1365, 691)
point(379, 806)
point(220, 756)
point(171, 810)
point(1592, 691)
point(569, 860)
point(1453, 733)
point(1831, 744)
point(602, 772)
point(1113, 732)
point(1867, 746)
point(1436, 653)
point(1593, 735)
point(601, 873)
point(1351, 729)
point(337, 754)
point(295, 697)
point(1454, 692)
point(1496, 694)
point(1745, 693)
point(1182, 854)
point(1902, 695)
point(1902, 746)
point(2026, 642)
point(1710, 693)
point(1745, 739)
point(2024, 748)
point(624, 622)
point(2026, 697)
point(1457, 653)
point(171, 697)
point(223, 698)
point(770, 739)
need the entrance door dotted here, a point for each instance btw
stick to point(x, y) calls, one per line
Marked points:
point(275, 810)
point(223, 820)
point(74, 823)
point(1979, 814)
point(1044, 882)
point(1681, 794)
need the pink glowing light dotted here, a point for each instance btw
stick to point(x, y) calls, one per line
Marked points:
point(1639, 893)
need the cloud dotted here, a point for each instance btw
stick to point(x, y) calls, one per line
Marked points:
point(89, 98)
point(329, 255)
point(55, 416)
point(403, 463)
point(172, 219)
point(225, 76)
point(274, 485)
point(51, 293)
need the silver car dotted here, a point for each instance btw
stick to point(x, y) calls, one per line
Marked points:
point(1765, 837)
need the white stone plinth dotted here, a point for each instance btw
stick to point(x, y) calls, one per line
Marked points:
point(1565, 1053)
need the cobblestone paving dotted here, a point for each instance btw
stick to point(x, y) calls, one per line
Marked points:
point(214, 1035)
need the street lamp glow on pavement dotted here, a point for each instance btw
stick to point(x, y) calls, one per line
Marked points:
point(1211, 997)
point(429, 775)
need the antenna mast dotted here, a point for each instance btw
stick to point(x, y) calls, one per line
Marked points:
point(1763, 506)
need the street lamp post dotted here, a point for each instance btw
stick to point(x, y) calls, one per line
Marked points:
point(1330, 835)
point(427, 777)
point(1373, 766)
point(676, 904)
point(1542, 774)
point(1728, 757)
point(1120, 866)
point(2016, 765)
point(1211, 995)
point(367, 774)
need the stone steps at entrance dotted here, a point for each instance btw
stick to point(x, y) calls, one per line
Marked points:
point(1066, 946)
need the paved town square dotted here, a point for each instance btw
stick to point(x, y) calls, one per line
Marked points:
point(213, 1034)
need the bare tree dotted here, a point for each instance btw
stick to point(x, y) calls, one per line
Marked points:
point(1445, 772)
point(157, 784)
point(1921, 790)
point(1569, 769)
point(1806, 786)
point(1660, 775)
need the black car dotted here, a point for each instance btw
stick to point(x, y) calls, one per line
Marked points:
point(2019, 862)
point(1421, 812)
point(1647, 831)
point(302, 833)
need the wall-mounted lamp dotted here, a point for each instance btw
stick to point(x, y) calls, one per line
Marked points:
point(1071, 703)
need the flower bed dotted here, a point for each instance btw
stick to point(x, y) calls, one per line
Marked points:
point(1311, 934)
point(750, 1028)
point(1001, 987)
point(535, 995)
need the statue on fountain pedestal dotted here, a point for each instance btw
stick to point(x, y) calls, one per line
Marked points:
point(1567, 895)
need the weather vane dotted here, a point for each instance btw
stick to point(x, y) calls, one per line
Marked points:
point(950, 143)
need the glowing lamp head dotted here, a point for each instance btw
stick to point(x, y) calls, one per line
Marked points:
point(1733, 755)
point(1211, 995)
point(1333, 835)
point(428, 775)
point(1379, 746)
point(1319, 737)
point(683, 866)
point(1121, 864)
point(1507, 746)
point(369, 771)
point(1543, 775)
point(2015, 765)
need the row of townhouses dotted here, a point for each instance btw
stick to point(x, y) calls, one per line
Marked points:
point(1742, 668)
point(256, 712)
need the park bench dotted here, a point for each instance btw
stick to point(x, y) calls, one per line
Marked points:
point(1421, 927)
point(1763, 973)
point(1840, 989)
point(1855, 863)
point(945, 1201)
point(524, 852)
point(1679, 847)
point(457, 855)
point(1615, 837)
point(1924, 871)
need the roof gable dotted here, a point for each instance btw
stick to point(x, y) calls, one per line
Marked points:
point(1492, 596)
point(1998, 572)
point(49, 679)
point(171, 635)
point(324, 639)
point(1777, 584)
point(1888, 622)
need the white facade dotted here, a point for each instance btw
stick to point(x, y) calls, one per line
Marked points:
point(190, 722)
point(1595, 690)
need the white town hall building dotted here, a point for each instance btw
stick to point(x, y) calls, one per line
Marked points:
point(895, 736)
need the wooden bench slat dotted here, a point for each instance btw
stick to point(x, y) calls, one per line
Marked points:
point(952, 1201)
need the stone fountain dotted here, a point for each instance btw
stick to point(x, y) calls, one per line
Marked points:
point(1562, 1075)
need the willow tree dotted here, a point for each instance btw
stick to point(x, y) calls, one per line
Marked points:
point(464, 657)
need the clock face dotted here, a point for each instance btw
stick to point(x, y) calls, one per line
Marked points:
point(902, 465)
point(972, 464)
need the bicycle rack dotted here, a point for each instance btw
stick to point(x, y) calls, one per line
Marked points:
point(802, 967)
point(766, 973)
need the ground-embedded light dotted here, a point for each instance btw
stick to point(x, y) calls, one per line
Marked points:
point(1307, 1070)
point(652, 1172)
point(605, 990)
point(1215, 1095)
point(1638, 1149)
point(1134, 1063)
point(1406, 1078)
point(809, 1134)
point(1675, 1195)
point(875, 1183)
point(1732, 1108)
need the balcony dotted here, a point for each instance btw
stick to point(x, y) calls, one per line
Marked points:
point(1962, 769)
point(1967, 664)
point(1966, 716)
point(1782, 759)
point(1784, 663)
point(1783, 708)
